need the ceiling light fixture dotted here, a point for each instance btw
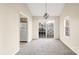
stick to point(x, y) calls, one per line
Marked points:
point(46, 15)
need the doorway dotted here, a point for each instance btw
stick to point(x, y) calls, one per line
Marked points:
point(46, 29)
point(23, 31)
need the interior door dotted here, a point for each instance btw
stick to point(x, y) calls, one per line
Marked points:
point(23, 29)
point(23, 32)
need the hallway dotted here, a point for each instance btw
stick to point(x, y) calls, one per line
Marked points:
point(45, 47)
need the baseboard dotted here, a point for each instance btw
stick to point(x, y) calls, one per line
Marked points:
point(16, 51)
point(9, 52)
point(69, 47)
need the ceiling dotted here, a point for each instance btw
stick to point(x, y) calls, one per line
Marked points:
point(38, 9)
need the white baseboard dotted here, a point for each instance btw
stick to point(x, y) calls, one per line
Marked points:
point(15, 51)
point(70, 47)
point(9, 52)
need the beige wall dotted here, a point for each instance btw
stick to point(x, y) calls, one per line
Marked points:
point(35, 25)
point(10, 27)
point(71, 10)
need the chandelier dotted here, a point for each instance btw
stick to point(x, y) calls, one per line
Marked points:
point(46, 15)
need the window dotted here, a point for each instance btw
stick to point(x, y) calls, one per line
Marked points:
point(67, 29)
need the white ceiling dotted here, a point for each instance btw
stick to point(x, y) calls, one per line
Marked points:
point(38, 9)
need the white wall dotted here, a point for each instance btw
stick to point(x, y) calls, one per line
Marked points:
point(30, 30)
point(35, 25)
point(71, 10)
point(10, 25)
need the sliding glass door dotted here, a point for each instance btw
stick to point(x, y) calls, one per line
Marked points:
point(46, 30)
point(50, 30)
point(42, 30)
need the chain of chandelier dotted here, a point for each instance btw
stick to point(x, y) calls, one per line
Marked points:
point(46, 15)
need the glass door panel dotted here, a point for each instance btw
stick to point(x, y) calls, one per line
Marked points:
point(42, 30)
point(50, 30)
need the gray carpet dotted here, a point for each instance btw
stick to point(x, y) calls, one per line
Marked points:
point(45, 47)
